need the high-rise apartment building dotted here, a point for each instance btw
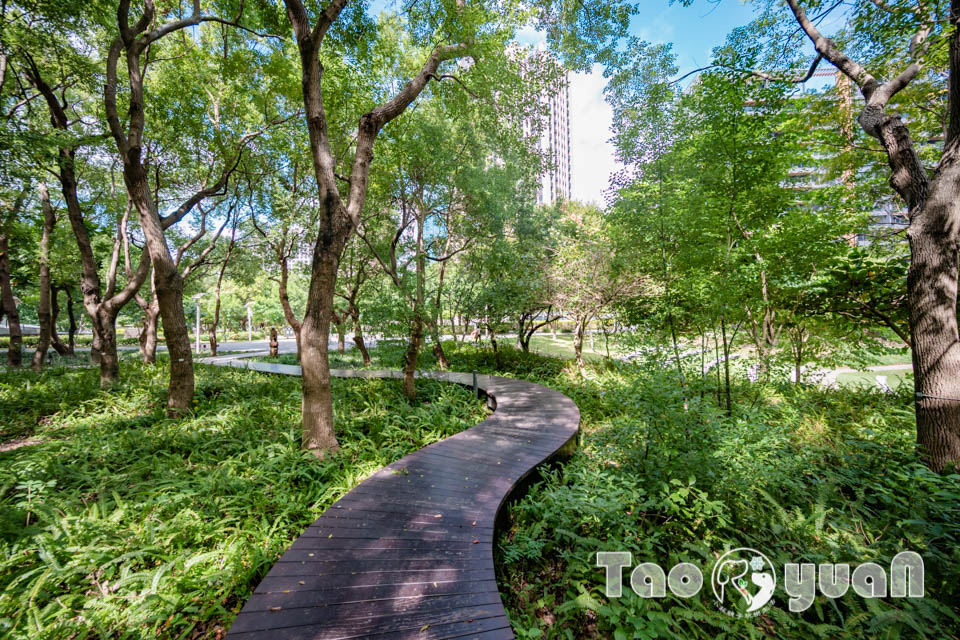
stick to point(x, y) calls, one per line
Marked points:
point(556, 182)
point(551, 129)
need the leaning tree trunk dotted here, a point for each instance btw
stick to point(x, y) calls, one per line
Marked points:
point(288, 313)
point(358, 335)
point(442, 361)
point(55, 341)
point(43, 306)
point(106, 330)
point(932, 294)
point(169, 289)
point(361, 346)
point(15, 351)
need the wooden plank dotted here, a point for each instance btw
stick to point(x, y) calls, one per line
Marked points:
point(408, 553)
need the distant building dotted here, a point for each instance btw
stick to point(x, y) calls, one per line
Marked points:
point(556, 183)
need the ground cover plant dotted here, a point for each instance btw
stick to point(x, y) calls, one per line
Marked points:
point(802, 473)
point(122, 523)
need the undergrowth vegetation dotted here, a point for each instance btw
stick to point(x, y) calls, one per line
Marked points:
point(123, 523)
point(803, 474)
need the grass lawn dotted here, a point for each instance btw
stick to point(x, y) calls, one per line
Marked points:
point(895, 378)
point(122, 523)
point(562, 346)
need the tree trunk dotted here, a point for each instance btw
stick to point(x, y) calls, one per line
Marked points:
point(288, 313)
point(341, 337)
point(410, 358)
point(438, 351)
point(55, 341)
point(72, 329)
point(94, 344)
point(416, 331)
point(726, 364)
point(15, 351)
point(43, 306)
point(109, 361)
point(274, 343)
point(522, 344)
point(216, 309)
point(318, 435)
point(148, 336)
point(102, 312)
point(175, 333)
point(932, 293)
point(358, 341)
point(578, 341)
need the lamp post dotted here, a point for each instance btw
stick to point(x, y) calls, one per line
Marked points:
point(249, 307)
point(196, 299)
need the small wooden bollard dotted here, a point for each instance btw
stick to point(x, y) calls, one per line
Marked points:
point(476, 389)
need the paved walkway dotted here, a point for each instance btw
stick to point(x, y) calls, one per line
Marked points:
point(408, 553)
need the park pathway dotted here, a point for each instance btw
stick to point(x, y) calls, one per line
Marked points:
point(408, 553)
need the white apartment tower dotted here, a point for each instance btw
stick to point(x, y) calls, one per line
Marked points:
point(556, 183)
point(551, 127)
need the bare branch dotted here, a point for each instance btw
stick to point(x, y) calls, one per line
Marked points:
point(826, 48)
point(374, 120)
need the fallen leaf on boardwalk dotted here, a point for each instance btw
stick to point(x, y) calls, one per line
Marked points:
point(424, 628)
point(439, 515)
point(473, 524)
point(274, 608)
point(476, 542)
point(434, 584)
point(302, 582)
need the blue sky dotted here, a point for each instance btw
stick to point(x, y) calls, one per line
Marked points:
point(694, 32)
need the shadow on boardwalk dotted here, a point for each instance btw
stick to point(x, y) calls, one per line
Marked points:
point(408, 553)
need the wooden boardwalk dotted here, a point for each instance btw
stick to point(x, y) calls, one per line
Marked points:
point(408, 553)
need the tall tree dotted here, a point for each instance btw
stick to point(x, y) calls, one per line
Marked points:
point(900, 41)
point(135, 42)
point(43, 307)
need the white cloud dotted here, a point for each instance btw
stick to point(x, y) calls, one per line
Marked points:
point(528, 35)
point(591, 155)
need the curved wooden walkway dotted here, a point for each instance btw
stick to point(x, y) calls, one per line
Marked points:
point(408, 553)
